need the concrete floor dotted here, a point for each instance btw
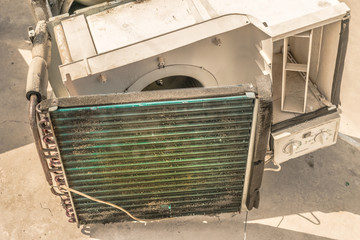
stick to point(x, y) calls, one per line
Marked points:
point(313, 197)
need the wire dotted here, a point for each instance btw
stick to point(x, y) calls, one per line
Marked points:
point(107, 203)
point(268, 157)
point(273, 169)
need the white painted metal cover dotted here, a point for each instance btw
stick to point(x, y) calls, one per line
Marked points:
point(133, 22)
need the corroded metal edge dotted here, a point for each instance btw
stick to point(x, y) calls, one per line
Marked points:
point(247, 178)
point(262, 135)
point(135, 97)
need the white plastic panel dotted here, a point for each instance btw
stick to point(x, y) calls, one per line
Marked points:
point(78, 38)
point(329, 49)
point(231, 63)
point(305, 137)
point(132, 23)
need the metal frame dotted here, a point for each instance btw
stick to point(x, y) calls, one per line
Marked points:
point(134, 97)
point(260, 128)
point(250, 156)
point(262, 135)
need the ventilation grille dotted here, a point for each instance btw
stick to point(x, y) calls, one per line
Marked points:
point(156, 159)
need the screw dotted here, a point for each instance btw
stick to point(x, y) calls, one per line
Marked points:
point(160, 82)
point(161, 61)
point(217, 41)
point(31, 33)
point(102, 78)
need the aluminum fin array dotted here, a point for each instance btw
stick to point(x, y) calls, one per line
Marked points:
point(156, 159)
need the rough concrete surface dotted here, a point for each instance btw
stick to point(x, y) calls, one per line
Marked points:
point(313, 197)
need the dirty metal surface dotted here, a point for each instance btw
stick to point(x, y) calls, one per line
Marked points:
point(156, 159)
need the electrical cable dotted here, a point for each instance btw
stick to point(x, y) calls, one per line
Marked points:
point(107, 203)
point(273, 169)
point(268, 157)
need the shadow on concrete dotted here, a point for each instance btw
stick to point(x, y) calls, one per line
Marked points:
point(221, 227)
point(14, 126)
point(327, 180)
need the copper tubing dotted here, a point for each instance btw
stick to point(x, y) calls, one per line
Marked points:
point(49, 152)
point(34, 127)
point(44, 124)
point(49, 138)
